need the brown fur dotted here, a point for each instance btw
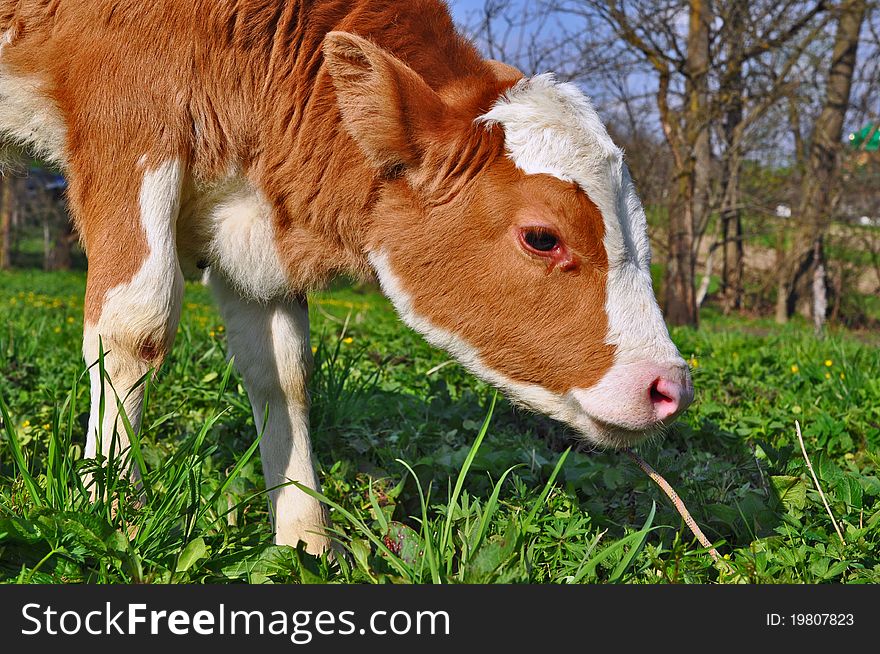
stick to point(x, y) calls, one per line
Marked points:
point(356, 142)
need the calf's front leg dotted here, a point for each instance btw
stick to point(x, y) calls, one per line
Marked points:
point(133, 295)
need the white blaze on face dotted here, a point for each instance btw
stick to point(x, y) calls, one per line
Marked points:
point(552, 128)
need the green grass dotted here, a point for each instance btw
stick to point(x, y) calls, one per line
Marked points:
point(429, 478)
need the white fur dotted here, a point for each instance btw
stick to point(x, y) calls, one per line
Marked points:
point(271, 344)
point(7, 38)
point(147, 307)
point(234, 219)
point(28, 117)
point(552, 128)
point(142, 305)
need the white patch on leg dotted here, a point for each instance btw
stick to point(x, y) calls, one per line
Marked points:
point(121, 372)
point(270, 342)
point(142, 306)
point(146, 309)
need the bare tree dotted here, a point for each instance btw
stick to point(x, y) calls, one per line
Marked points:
point(761, 47)
point(730, 86)
point(706, 55)
point(817, 189)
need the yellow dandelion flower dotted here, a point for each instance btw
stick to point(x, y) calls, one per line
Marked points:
point(829, 363)
point(221, 329)
point(314, 349)
point(212, 334)
point(70, 320)
point(827, 375)
point(695, 363)
point(349, 340)
point(26, 424)
point(57, 330)
point(842, 376)
point(47, 426)
point(795, 370)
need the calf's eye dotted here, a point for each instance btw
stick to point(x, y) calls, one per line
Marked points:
point(541, 240)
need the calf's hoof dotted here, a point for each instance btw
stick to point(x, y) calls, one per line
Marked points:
point(314, 536)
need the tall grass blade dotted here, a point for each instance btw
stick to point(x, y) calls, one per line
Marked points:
point(426, 526)
point(539, 504)
point(633, 552)
point(636, 540)
point(17, 455)
point(459, 483)
point(491, 505)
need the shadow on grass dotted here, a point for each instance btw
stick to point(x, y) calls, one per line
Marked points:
point(728, 490)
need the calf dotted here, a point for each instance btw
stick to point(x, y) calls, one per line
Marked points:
point(280, 143)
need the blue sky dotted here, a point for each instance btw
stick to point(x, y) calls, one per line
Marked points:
point(638, 83)
point(461, 7)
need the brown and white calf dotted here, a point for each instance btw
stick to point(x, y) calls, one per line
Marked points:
point(283, 142)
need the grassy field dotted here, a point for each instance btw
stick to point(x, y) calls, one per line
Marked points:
point(423, 489)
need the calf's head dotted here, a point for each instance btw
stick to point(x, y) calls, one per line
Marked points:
point(508, 232)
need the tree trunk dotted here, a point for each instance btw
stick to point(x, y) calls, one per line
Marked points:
point(782, 297)
point(821, 169)
point(732, 266)
point(47, 244)
point(734, 260)
point(820, 289)
point(731, 215)
point(62, 252)
point(7, 208)
point(694, 175)
point(680, 297)
point(703, 289)
point(697, 117)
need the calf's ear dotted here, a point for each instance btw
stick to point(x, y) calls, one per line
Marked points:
point(504, 72)
point(385, 105)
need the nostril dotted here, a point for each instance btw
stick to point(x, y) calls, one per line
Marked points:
point(665, 398)
point(658, 396)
